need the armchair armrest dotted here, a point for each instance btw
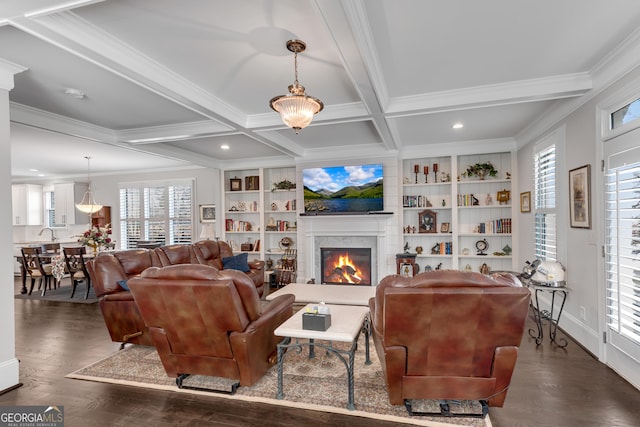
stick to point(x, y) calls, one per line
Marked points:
point(255, 347)
point(256, 265)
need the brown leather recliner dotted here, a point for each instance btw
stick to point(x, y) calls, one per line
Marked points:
point(209, 322)
point(118, 308)
point(448, 335)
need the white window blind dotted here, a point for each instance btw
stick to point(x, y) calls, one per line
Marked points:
point(157, 212)
point(545, 203)
point(622, 250)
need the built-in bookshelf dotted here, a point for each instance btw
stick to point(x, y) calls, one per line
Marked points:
point(455, 220)
point(260, 210)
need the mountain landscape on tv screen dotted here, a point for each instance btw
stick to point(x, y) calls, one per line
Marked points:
point(363, 198)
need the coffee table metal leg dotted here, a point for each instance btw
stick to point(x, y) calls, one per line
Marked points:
point(282, 346)
point(367, 331)
point(351, 400)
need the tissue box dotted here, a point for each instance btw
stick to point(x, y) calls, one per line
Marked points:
point(316, 322)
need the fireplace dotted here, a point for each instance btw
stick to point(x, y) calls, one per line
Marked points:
point(350, 266)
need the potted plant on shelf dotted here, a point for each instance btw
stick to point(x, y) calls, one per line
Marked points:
point(480, 170)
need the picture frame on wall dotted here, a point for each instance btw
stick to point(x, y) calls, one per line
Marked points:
point(207, 213)
point(525, 202)
point(427, 221)
point(580, 197)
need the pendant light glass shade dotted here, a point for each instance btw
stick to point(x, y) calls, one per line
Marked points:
point(88, 203)
point(296, 108)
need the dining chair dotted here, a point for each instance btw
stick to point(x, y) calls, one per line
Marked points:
point(74, 260)
point(50, 248)
point(36, 269)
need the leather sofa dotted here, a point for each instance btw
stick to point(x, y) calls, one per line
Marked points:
point(449, 335)
point(111, 271)
point(209, 322)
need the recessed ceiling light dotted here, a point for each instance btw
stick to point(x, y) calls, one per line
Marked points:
point(33, 170)
point(74, 93)
point(224, 147)
point(457, 126)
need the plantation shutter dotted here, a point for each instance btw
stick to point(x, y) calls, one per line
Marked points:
point(545, 203)
point(180, 223)
point(622, 244)
point(157, 212)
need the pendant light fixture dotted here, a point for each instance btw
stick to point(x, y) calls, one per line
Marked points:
point(88, 204)
point(296, 108)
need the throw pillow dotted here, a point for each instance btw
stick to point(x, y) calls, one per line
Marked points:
point(238, 262)
point(123, 284)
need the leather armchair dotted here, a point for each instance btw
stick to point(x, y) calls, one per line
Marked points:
point(209, 322)
point(448, 335)
point(211, 252)
point(119, 310)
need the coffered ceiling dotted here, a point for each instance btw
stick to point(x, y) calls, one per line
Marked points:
point(166, 83)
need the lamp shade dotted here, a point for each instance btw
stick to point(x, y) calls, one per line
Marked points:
point(296, 108)
point(88, 203)
point(296, 111)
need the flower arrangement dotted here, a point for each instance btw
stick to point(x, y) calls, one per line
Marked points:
point(480, 170)
point(97, 237)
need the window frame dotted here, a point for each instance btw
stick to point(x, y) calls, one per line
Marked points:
point(147, 216)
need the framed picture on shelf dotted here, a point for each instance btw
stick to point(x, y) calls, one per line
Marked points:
point(207, 213)
point(252, 183)
point(525, 202)
point(235, 184)
point(444, 227)
point(427, 222)
point(580, 197)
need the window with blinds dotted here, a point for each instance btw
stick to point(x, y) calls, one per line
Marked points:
point(545, 203)
point(157, 213)
point(622, 250)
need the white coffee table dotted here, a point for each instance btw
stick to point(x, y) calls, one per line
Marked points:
point(329, 294)
point(346, 324)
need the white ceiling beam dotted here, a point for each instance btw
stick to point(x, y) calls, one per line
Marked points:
point(77, 36)
point(349, 28)
point(555, 87)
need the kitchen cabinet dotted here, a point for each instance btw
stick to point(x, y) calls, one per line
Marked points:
point(66, 195)
point(27, 204)
point(102, 217)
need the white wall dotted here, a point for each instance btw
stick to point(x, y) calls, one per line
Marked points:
point(9, 366)
point(207, 190)
point(580, 252)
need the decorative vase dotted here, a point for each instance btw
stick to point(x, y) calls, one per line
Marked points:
point(94, 249)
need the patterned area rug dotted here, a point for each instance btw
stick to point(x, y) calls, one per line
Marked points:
point(63, 294)
point(315, 384)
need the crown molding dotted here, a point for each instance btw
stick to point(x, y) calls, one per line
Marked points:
point(564, 86)
point(175, 132)
point(459, 148)
point(7, 70)
point(34, 117)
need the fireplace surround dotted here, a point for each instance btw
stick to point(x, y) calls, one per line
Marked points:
point(350, 266)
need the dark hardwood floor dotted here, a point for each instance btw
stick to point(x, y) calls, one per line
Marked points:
point(551, 386)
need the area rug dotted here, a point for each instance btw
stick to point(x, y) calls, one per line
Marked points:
point(62, 294)
point(314, 384)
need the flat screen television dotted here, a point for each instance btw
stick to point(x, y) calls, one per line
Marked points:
point(343, 190)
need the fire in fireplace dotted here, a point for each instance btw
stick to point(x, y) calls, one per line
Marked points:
point(346, 266)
